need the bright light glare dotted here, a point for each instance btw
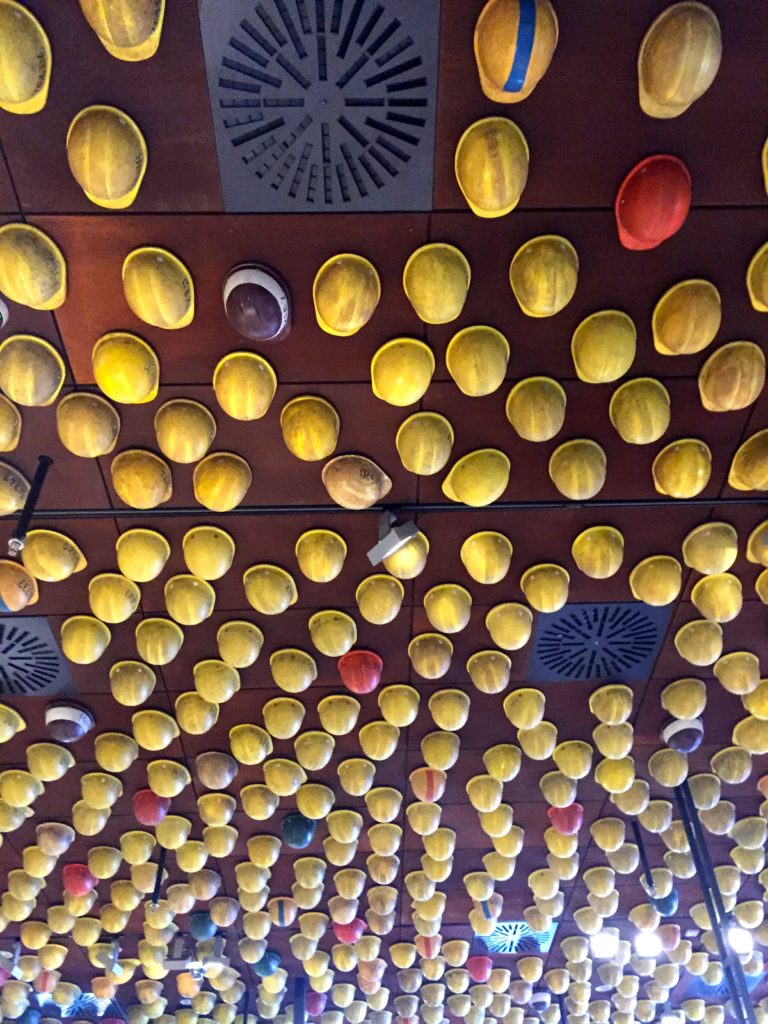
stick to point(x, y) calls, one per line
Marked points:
point(604, 945)
point(670, 1017)
point(647, 944)
point(740, 940)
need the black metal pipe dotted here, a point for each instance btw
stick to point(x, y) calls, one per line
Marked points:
point(713, 900)
point(16, 543)
point(159, 877)
point(410, 508)
point(643, 857)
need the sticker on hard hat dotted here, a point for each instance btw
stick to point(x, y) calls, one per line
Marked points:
point(526, 32)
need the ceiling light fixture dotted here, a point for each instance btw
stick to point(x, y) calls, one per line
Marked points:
point(647, 944)
point(392, 537)
point(605, 944)
point(740, 940)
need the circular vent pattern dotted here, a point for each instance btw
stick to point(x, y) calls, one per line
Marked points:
point(325, 102)
point(606, 641)
point(31, 665)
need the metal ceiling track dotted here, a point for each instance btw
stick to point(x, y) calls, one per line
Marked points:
point(406, 508)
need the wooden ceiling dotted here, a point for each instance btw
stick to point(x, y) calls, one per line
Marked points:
point(585, 130)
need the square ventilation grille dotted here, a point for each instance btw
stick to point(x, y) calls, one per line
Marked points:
point(31, 662)
point(597, 642)
point(510, 937)
point(323, 105)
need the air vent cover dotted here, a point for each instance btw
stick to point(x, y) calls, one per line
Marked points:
point(323, 105)
point(31, 663)
point(510, 937)
point(609, 642)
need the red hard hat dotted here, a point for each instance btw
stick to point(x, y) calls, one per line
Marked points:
point(316, 1003)
point(149, 808)
point(566, 820)
point(479, 968)
point(78, 880)
point(349, 933)
point(360, 670)
point(653, 202)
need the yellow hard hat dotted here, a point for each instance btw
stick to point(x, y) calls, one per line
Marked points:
point(355, 481)
point(477, 359)
point(640, 410)
point(401, 371)
point(346, 292)
point(112, 597)
point(700, 642)
point(486, 556)
point(751, 733)
point(684, 698)
point(31, 370)
point(126, 368)
point(50, 556)
point(208, 552)
point(33, 272)
point(25, 60)
point(514, 44)
point(115, 751)
point(430, 655)
point(107, 156)
point(221, 481)
point(194, 714)
point(491, 166)
point(478, 478)
point(603, 346)
point(732, 764)
point(239, 643)
point(448, 607)
point(679, 58)
point(436, 280)
point(757, 545)
point(142, 554)
point(84, 639)
point(656, 580)
point(543, 275)
point(718, 596)
point(314, 749)
point(10, 425)
point(154, 730)
point(577, 469)
point(545, 587)
point(158, 641)
point(250, 744)
point(321, 554)
point(49, 762)
point(338, 713)
point(686, 318)
point(333, 632)
point(87, 425)
point(127, 29)
point(732, 377)
point(408, 561)
point(749, 469)
point(509, 625)
point(379, 598)
point(757, 275)
point(216, 681)
point(489, 671)
point(283, 717)
point(14, 488)
point(141, 478)
point(292, 670)
point(11, 722)
point(189, 600)
point(310, 427)
point(598, 551)
point(269, 589)
point(539, 742)
point(158, 287)
point(573, 758)
point(536, 408)
point(244, 384)
point(184, 429)
point(682, 469)
point(424, 442)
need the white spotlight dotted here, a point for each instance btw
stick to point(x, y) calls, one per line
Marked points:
point(647, 944)
point(605, 944)
point(740, 940)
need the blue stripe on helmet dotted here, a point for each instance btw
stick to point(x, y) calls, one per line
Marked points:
point(526, 32)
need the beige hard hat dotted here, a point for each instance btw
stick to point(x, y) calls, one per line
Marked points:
point(355, 481)
point(686, 318)
point(732, 377)
point(749, 469)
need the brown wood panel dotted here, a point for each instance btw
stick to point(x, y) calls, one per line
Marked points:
point(97, 246)
point(167, 96)
point(583, 122)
